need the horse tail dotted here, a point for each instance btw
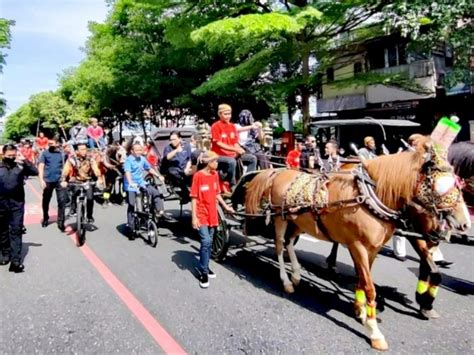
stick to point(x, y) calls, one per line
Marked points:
point(257, 189)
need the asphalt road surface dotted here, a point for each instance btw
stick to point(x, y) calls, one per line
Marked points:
point(119, 296)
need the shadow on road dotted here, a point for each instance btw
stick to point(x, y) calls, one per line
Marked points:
point(26, 248)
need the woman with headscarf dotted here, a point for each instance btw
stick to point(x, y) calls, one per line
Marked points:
point(250, 135)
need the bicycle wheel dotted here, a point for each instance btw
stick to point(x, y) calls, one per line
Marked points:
point(152, 233)
point(81, 224)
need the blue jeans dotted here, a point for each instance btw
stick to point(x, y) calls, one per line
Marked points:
point(205, 233)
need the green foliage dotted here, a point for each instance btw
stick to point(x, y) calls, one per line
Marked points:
point(47, 108)
point(5, 39)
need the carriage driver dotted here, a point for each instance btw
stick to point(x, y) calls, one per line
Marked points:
point(225, 142)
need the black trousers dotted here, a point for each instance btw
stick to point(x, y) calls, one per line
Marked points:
point(181, 180)
point(61, 197)
point(75, 190)
point(156, 197)
point(11, 225)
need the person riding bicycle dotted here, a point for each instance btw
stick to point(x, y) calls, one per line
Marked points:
point(176, 161)
point(80, 169)
point(225, 142)
point(135, 167)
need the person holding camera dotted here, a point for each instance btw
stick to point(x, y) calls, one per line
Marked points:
point(310, 154)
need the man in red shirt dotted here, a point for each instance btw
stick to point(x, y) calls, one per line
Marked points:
point(205, 193)
point(27, 152)
point(41, 142)
point(225, 142)
point(95, 134)
point(293, 157)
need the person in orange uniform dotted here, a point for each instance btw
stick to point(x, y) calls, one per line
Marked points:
point(293, 157)
point(205, 193)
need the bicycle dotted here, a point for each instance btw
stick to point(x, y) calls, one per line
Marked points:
point(81, 220)
point(144, 218)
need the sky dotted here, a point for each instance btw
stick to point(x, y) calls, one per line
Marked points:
point(46, 39)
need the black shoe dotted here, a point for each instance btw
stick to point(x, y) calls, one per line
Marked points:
point(5, 260)
point(16, 267)
point(90, 220)
point(211, 274)
point(204, 281)
point(44, 223)
point(444, 264)
point(61, 227)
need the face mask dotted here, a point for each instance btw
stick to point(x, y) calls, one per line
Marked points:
point(9, 161)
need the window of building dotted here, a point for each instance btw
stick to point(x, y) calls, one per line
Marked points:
point(330, 74)
point(376, 58)
point(357, 68)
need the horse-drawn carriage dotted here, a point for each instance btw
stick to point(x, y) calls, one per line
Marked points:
point(360, 206)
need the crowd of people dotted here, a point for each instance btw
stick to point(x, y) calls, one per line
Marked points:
point(202, 170)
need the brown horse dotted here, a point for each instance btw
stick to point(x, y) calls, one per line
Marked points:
point(401, 179)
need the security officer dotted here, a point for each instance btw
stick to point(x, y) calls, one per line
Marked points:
point(13, 170)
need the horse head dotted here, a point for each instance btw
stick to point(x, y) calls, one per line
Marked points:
point(438, 189)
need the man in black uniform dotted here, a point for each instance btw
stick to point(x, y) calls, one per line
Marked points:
point(13, 170)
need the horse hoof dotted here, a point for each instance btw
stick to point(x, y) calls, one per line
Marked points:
point(379, 344)
point(429, 313)
point(289, 288)
point(295, 281)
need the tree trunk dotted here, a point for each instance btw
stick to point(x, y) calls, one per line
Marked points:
point(305, 94)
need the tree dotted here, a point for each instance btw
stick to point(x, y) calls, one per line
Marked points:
point(49, 110)
point(5, 39)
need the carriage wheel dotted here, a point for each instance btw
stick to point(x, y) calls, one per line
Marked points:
point(220, 241)
point(152, 233)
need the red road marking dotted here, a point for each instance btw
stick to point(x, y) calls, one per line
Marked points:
point(34, 214)
point(161, 336)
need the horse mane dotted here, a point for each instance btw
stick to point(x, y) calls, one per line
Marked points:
point(257, 190)
point(461, 157)
point(396, 176)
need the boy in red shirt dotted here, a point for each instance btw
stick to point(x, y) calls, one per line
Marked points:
point(205, 193)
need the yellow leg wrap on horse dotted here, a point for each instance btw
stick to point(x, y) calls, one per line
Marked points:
point(360, 296)
point(433, 290)
point(106, 195)
point(422, 287)
point(371, 310)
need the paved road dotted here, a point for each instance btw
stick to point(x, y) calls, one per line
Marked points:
point(114, 295)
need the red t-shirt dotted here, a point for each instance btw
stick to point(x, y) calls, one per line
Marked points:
point(225, 133)
point(293, 159)
point(27, 153)
point(152, 157)
point(205, 189)
point(42, 143)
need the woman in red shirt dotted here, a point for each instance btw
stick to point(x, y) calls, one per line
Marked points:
point(205, 193)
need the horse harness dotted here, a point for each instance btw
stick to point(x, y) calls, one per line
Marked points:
point(308, 193)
